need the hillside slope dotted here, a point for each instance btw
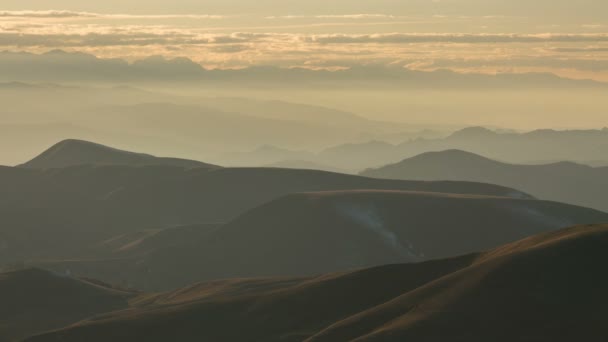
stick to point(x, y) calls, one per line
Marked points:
point(312, 233)
point(73, 152)
point(545, 288)
point(564, 182)
point(34, 301)
point(61, 213)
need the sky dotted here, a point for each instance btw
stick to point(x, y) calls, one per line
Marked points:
point(567, 38)
point(402, 65)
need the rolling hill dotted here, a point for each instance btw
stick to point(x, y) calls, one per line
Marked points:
point(312, 233)
point(545, 288)
point(549, 287)
point(563, 181)
point(60, 213)
point(34, 301)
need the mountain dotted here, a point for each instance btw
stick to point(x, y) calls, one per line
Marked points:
point(290, 111)
point(264, 155)
point(312, 233)
point(78, 152)
point(198, 128)
point(355, 156)
point(305, 165)
point(60, 66)
point(62, 213)
point(534, 146)
point(34, 301)
point(563, 181)
point(261, 309)
point(544, 288)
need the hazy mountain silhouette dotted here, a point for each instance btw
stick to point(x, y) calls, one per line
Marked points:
point(266, 154)
point(34, 301)
point(564, 182)
point(305, 165)
point(199, 128)
point(73, 152)
point(546, 287)
point(535, 146)
point(311, 233)
point(61, 66)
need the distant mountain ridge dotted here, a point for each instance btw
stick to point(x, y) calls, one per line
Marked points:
point(567, 182)
point(72, 152)
point(534, 146)
point(63, 66)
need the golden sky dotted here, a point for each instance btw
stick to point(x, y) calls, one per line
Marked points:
point(563, 37)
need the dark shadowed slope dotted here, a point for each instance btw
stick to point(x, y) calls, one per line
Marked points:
point(547, 288)
point(78, 152)
point(59, 213)
point(271, 309)
point(312, 233)
point(34, 301)
point(563, 182)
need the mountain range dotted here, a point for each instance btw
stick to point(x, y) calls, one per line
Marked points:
point(62, 66)
point(566, 182)
point(548, 287)
point(90, 203)
point(79, 152)
point(533, 147)
point(158, 223)
point(204, 252)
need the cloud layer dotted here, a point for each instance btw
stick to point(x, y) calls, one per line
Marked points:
point(316, 41)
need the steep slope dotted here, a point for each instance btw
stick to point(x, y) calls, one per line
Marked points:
point(78, 152)
point(546, 288)
point(563, 182)
point(34, 301)
point(304, 234)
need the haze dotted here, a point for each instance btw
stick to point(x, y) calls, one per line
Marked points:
point(303, 171)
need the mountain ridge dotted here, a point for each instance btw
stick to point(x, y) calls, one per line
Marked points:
point(564, 181)
point(390, 303)
point(72, 152)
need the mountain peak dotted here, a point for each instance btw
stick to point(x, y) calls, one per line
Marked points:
point(72, 152)
point(452, 156)
point(473, 132)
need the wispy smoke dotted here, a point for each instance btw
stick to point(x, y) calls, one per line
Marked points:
point(367, 216)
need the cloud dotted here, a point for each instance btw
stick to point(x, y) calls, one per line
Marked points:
point(586, 64)
point(337, 16)
point(99, 35)
point(59, 66)
point(407, 38)
point(46, 14)
point(581, 49)
point(64, 14)
point(229, 49)
point(356, 16)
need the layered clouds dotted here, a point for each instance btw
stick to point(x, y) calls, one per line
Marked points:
point(480, 42)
